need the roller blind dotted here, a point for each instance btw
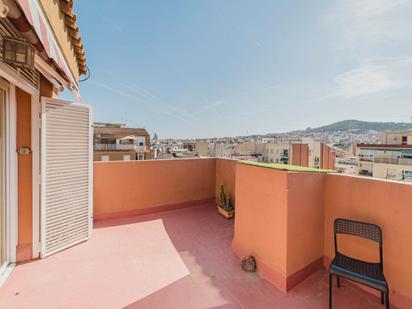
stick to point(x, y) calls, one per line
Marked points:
point(66, 175)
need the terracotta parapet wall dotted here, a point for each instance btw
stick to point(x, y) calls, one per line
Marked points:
point(128, 187)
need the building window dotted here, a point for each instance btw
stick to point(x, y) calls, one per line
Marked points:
point(407, 175)
point(126, 157)
point(390, 173)
point(140, 156)
point(104, 158)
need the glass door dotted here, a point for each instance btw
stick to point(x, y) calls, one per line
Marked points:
point(3, 213)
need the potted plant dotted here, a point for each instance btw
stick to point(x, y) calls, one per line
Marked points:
point(225, 208)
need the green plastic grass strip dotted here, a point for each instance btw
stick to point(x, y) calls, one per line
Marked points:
point(286, 167)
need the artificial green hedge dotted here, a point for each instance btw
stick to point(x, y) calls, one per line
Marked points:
point(287, 167)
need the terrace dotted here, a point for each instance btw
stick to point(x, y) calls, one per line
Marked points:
point(159, 243)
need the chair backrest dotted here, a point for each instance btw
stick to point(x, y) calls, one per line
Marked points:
point(360, 229)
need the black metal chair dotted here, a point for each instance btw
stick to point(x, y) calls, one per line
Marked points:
point(370, 274)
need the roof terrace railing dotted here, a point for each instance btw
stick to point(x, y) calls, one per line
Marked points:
point(119, 147)
point(397, 161)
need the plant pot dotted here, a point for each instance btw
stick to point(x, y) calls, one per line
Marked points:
point(224, 213)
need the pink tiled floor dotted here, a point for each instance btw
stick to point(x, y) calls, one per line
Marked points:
point(176, 259)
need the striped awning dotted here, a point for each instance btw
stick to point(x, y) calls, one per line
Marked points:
point(38, 20)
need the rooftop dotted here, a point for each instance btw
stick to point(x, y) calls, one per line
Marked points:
point(120, 132)
point(173, 259)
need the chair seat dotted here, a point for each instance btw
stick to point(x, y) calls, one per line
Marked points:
point(363, 272)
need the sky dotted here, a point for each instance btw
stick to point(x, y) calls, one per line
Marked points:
point(213, 68)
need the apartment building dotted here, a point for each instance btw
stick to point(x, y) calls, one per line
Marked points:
point(202, 148)
point(276, 153)
point(396, 137)
point(391, 159)
point(308, 153)
point(386, 161)
point(249, 149)
point(115, 142)
point(222, 150)
point(45, 143)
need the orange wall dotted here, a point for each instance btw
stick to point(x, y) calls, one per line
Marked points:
point(385, 203)
point(300, 154)
point(279, 220)
point(284, 219)
point(304, 220)
point(327, 157)
point(23, 139)
point(25, 165)
point(260, 220)
point(332, 157)
point(124, 187)
point(226, 176)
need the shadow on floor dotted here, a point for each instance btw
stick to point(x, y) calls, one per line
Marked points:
point(202, 239)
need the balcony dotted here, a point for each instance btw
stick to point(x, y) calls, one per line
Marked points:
point(159, 243)
point(397, 161)
point(365, 158)
point(119, 147)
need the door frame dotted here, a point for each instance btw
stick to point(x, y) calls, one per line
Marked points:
point(40, 217)
point(36, 173)
point(10, 177)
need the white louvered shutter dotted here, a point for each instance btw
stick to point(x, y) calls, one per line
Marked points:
point(66, 175)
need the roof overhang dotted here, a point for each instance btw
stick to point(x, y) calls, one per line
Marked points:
point(38, 20)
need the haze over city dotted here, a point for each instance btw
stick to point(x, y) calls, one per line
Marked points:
point(226, 68)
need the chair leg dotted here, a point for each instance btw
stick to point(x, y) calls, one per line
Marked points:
point(330, 291)
point(338, 281)
point(387, 300)
point(382, 296)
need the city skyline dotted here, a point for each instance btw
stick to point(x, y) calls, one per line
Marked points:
point(238, 68)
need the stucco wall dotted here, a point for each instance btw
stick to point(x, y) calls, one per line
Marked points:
point(133, 187)
point(388, 204)
point(380, 170)
point(279, 221)
point(25, 165)
point(300, 154)
point(113, 155)
point(23, 139)
point(284, 219)
point(304, 220)
point(226, 176)
point(260, 220)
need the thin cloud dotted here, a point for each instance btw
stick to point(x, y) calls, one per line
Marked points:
point(368, 22)
point(155, 100)
point(137, 99)
point(375, 75)
point(212, 107)
point(259, 111)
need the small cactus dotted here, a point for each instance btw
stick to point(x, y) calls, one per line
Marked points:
point(225, 201)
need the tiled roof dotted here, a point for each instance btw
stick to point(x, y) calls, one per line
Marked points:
point(70, 21)
point(121, 132)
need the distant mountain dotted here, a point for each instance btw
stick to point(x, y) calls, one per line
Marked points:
point(361, 126)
